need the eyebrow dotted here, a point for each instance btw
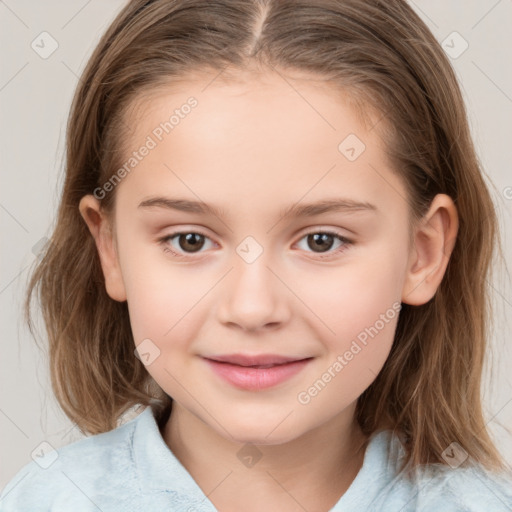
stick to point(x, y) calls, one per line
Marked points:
point(297, 210)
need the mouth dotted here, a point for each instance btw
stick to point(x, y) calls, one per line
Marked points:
point(244, 373)
point(256, 361)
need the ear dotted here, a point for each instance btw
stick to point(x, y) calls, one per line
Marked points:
point(433, 242)
point(101, 230)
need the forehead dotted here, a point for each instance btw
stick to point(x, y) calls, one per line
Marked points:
point(306, 94)
point(272, 138)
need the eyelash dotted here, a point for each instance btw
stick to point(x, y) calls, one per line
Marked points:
point(346, 242)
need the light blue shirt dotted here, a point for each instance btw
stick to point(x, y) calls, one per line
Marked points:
point(132, 469)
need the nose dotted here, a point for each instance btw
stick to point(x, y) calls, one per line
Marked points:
point(252, 297)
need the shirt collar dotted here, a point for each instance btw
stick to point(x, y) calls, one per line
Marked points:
point(158, 469)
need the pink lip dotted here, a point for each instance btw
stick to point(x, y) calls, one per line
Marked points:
point(253, 360)
point(254, 379)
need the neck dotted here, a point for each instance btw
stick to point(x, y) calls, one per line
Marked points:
point(309, 472)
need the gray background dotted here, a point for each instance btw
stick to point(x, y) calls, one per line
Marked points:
point(35, 96)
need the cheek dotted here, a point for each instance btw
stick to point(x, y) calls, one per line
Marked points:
point(160, 300)
point(157, 293)
point(359, 315)
point(354, 296)
point(166, 313)
point(359, 305)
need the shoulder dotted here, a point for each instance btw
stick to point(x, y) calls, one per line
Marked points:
point(74, 475)
point(470, 489)
point(433, 487)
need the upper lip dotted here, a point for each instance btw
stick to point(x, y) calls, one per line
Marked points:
point(253, 360)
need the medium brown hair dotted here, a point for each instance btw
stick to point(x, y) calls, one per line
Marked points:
point(385, 57)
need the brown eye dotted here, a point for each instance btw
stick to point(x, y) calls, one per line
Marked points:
point(190, 242)
point(187, 243)
point(320, 242)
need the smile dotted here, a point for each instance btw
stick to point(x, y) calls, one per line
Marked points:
point(257, 377)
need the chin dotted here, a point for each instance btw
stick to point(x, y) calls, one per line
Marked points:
point(261, 433)
point(260, 439)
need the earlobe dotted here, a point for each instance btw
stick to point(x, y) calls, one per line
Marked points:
point(433, 242)
point(100, 228)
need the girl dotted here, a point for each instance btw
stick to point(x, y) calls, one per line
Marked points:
point(274, 238)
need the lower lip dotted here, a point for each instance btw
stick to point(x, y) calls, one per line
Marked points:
point(256, 378)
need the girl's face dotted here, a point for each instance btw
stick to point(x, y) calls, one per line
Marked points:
point(323, 282)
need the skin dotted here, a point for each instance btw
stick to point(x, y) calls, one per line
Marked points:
point(254, 148)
